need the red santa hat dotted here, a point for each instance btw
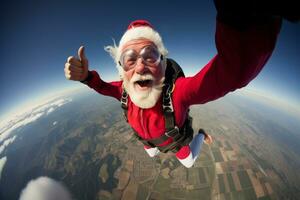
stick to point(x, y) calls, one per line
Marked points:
point(137, 29)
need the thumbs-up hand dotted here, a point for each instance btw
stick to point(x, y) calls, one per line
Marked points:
point(77, 69)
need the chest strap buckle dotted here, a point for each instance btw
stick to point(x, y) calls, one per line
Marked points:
point(173, 132)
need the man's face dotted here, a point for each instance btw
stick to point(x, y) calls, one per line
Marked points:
point(143, 82)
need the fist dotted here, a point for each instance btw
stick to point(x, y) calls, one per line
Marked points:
point(77, 69)
point(208, 139)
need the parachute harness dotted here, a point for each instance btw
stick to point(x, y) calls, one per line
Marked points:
point(180, 136)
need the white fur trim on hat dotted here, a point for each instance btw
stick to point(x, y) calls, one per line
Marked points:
point(143, 32)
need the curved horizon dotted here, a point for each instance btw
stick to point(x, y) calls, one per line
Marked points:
point(38, 37)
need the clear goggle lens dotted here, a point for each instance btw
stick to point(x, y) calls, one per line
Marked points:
point(149, 54)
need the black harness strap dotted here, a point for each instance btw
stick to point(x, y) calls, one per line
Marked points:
point(168, 107)
point(157, 141)
point(124, 101)
point(180, 136)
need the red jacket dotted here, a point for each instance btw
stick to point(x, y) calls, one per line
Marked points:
point(241, 56)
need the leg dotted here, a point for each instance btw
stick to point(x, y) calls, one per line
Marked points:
point(185, 157)
point(196, 145)
point(188, 154)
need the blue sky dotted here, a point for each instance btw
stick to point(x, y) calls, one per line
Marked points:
point(38, 36)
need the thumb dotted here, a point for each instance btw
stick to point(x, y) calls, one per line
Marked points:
point(82, 57)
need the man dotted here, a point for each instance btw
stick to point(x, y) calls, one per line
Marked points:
point(141, 59)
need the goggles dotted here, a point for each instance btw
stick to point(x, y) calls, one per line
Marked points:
point(149, 54)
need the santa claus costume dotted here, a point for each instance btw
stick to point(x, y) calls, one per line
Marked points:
point(240, 57)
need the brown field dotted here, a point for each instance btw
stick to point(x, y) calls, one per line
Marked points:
point(269, 188)
point(256, 184)
point(219, 169)
point(123, 179)
point(131, 191)
point(129, 165)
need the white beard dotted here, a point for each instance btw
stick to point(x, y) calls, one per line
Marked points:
point(144, 99)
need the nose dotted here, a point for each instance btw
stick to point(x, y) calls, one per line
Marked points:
point(140, 67)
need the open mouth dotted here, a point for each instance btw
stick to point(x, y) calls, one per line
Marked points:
point(144, 83)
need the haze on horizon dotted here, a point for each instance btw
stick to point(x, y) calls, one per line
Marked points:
point(38, 37)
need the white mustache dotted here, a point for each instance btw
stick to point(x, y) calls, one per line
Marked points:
point(138, 77)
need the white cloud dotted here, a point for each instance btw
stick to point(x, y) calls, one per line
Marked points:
point(28, 119)
point(45, 188)
point(29, 116)
point(50, 111)
point(6, 143)
point(59, 103)
point(2, 163)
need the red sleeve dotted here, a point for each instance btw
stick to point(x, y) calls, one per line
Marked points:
point(113, 89)
point(241, 56)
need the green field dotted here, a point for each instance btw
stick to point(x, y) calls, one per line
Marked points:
point(202, 194)
point(193, 176)
point(228, 146)
point(244, 179)
point(221, 183)
point(202, 177)
point(218, 156)
point(248, 194)
point(230, 181)
point(142, 192)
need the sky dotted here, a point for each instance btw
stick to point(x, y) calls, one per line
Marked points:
point(38, 36)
